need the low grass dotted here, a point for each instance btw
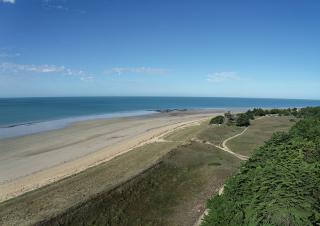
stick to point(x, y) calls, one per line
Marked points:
point(171, 193)
point(186, 133)
point(216, 134)
point(258, 132)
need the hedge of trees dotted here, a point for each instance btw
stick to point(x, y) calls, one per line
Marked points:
point(279, 184)
point(263, 112)
point(243, 119)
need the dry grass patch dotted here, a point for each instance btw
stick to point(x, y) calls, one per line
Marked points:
point(216, 134)
point(258, 132)
point(187, 133)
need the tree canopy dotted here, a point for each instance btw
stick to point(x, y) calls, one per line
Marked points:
point(243, 120)
point(217, 120)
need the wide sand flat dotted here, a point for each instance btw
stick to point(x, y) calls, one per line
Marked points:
point(33, 161)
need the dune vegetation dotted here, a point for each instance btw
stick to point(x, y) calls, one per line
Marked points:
point(172, 192)
point(163, 183)
point(217, 120)
point(279, 184)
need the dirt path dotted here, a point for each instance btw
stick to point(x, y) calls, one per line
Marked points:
point(224, 146)
point(226, 149)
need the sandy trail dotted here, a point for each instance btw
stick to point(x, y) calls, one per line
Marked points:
point(224, 146)
point(30, 162)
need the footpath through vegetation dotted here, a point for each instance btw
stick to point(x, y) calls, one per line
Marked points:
point(224, 146)
point(280, 183)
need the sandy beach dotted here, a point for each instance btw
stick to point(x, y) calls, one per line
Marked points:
point(32, 161)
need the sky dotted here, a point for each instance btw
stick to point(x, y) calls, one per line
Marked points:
point(219, 48)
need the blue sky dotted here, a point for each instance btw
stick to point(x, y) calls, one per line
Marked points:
point(160, 48)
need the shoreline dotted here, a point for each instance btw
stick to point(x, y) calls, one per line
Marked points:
point(36, 160)
point(25, 128)
point(28, 128)
point(20, 129)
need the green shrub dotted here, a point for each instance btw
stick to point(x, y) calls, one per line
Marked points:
point(259, 112)
point(217, 120)
point(243, 120)
point(250, 114)
point(274, 111)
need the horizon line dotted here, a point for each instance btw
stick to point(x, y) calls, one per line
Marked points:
point(116, 96)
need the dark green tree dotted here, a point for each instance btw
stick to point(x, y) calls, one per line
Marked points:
point(243, 120)
point(259, 112)
point(250, 114)
point(217, 120)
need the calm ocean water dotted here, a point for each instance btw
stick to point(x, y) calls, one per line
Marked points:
point(25, 112)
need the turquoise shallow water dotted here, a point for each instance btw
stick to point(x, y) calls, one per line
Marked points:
point(21, 116)
point(25, 110)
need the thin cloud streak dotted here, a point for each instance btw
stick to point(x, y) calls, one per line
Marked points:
point(9, 55)
point(219, 77)
point(137, 70)
point(60, 5)
point(16, 68)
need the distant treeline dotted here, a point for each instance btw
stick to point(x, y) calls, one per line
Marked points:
point(280, 183)
point(243, 119)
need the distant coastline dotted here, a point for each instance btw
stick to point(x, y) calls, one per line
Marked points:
point(23, 116)
point(28, 128)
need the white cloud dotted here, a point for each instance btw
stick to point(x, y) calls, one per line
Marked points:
point(16, 68)
point(59, 5)
point(223, 76)
point(8, 1)
point(84, 76)
point(9, 55)
point(53, 4)
point(31, 68)
point(137, 70)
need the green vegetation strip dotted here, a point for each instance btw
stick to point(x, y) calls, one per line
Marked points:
point(165, 195)
point(258, 132)
point(279, 184)
point(217, 134)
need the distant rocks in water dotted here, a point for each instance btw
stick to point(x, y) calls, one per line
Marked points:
point(169, 110)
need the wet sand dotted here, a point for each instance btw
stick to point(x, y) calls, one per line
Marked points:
point(32, 161)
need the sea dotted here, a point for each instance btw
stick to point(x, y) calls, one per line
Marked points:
point(23, 116)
